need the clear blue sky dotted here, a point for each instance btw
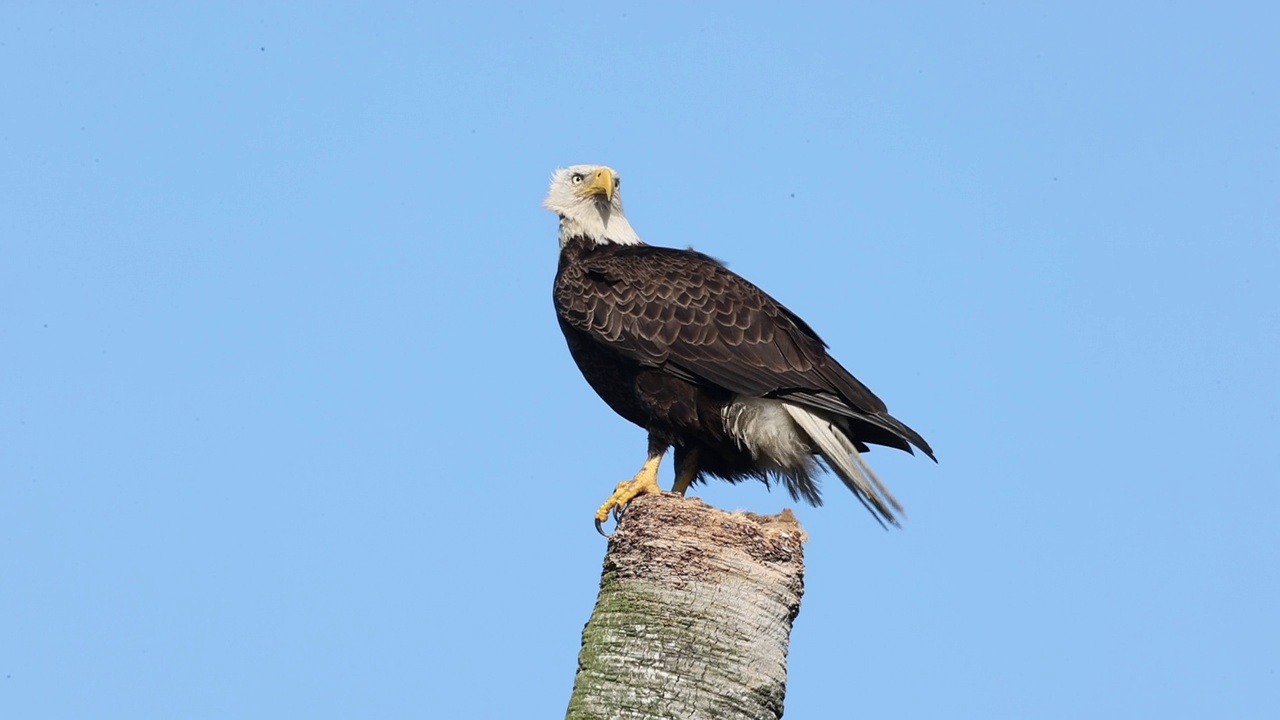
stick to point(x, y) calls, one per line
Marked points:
point(287, 428)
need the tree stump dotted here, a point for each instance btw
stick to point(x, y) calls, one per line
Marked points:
point(694, 615)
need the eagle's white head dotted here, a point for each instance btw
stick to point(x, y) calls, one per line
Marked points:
point(589, 203)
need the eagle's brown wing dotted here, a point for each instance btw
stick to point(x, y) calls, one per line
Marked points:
point(686, 313)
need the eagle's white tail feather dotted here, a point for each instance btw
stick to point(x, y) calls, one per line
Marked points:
point(866, 469)
point(845, 461)
point(853, 453)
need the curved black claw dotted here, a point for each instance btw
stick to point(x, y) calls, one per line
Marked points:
point(600, 529)
point(617, 512)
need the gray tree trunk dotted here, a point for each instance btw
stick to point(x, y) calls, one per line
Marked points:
point(694, 615)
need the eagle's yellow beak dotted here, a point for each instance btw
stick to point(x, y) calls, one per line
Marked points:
point(601, 184)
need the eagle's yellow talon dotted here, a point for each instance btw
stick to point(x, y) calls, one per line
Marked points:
point(644, 483)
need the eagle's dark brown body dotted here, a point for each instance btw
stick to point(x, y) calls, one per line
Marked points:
point(669, 338)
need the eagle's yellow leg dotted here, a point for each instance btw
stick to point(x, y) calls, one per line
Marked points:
point(686, 475)
point(645, 482)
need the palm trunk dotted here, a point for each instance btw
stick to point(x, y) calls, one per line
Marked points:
point(694, 615)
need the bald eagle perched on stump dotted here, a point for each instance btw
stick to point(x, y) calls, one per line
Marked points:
point(706, 362)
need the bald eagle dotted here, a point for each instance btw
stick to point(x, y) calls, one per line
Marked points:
point(707, 362)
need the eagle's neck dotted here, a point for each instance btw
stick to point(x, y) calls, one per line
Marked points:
point(598, 225)
point(578, 249)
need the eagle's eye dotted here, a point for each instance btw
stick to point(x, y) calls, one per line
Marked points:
point(576, 178)
point(617, 183)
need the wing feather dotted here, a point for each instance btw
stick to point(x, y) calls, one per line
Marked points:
point(688, 314)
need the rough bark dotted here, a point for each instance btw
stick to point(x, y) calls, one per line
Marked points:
point(694, 615)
